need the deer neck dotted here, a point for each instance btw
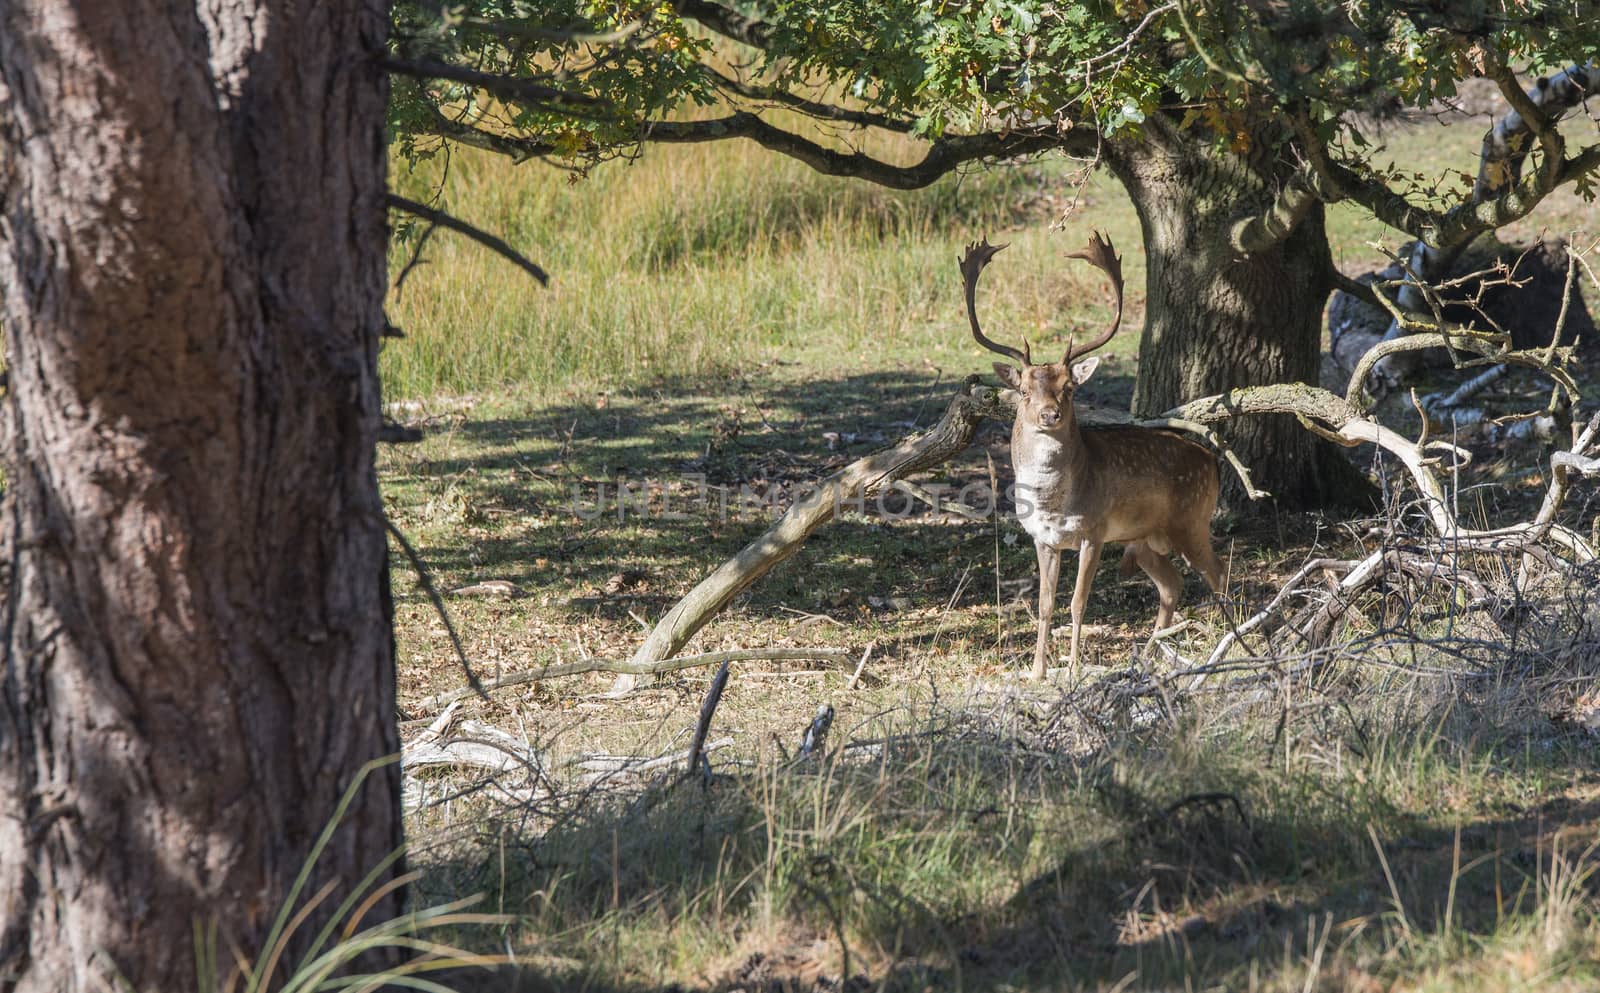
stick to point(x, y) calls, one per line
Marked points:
point(1048, 460)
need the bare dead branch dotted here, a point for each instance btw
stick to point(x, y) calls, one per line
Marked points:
point(1236, 634)
point(1409, 332)
point(854, 483)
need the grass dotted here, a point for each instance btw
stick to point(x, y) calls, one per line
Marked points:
point(1418, 813)
point(705, 259)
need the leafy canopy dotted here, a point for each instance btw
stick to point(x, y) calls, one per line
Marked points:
point(576, 82)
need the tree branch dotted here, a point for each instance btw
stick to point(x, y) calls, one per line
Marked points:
point(1497, 198)
point(518, 149)
point(1469, 220)
point(1332, 417)
point(1536, 111)
point(1361, 291)
point(514, 88)
point(727, 22)
point(1259, 232)
point(528, 27)
point(482, 237)
point(812, 108)
point(944, 154)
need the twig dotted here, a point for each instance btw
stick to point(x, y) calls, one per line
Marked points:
point(713, 697)
point(649, 669)
point(994, 512)
point(416, 257)
point(479, 235)
point(603, 766)
point(1315, 565)
point(425, 580)
point(855, 676)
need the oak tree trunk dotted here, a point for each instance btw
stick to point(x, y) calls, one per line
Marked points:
point(198, 649)
point(1217, 318)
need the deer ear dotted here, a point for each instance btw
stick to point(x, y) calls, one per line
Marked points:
point(1083, 370)
point(1008, 375)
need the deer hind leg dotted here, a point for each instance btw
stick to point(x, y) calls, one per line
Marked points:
point(1130, 559)
point(1196, 547)
point(1049, 571)
point(1088, 561)
point(1169, 585)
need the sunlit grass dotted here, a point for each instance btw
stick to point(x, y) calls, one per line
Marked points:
point(697, 259)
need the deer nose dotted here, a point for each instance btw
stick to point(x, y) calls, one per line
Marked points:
point(1049, 417)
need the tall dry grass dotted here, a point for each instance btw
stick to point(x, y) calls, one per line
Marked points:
point(695, 259)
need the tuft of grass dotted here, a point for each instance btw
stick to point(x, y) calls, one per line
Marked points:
point(347, 938)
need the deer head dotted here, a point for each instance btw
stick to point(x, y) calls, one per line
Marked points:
point(1046, 389)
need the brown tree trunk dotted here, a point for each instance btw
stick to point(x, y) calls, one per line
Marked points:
point(1217, 318)
point(198, 653)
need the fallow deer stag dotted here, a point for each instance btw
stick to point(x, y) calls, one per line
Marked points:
point(1079, 488)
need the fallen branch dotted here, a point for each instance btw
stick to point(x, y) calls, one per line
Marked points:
point(1317, 628)
point(850, 486)
point(1336, 419)
point(1237, 634)
point(855, 677)
point(472, 744)
point(646, 669)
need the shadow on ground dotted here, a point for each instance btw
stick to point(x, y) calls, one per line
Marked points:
point(1163, 889)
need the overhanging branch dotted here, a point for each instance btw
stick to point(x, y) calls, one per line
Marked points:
point(812, 108)
point(479, 235)
point(944, 154)
point(516, 147)
point(510, 88)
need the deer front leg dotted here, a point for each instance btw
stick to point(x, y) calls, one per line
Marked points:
point(1088, 562)
point(1049, 570)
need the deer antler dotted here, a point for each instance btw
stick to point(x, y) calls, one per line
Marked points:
point(1101, 255)
point(972, 263)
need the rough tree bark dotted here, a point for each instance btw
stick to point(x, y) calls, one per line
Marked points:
point(1218, 318)
point(198, 649)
